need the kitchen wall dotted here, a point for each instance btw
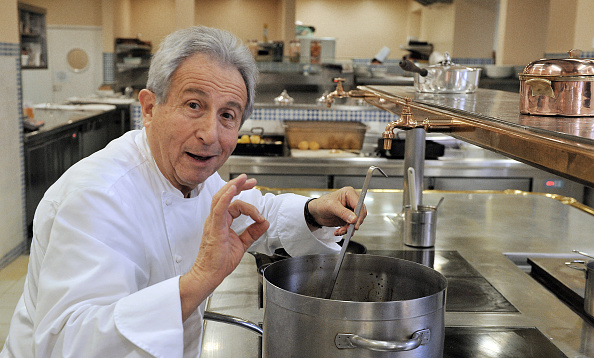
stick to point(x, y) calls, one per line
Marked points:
point(70, 12)
point(522, 31)
point(12, 237)
point(58, 82)
point(361, 28)
point(583, 26)
point(474, 29)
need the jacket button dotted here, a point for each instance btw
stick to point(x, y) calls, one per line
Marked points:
point(178, 259)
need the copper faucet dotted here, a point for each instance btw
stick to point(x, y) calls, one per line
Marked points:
point(406, 121)
point(339, 92)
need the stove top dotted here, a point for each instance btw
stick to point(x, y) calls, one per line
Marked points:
point(498, 342)
point(468, 290)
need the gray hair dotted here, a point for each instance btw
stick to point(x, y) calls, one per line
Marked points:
point(220, 45)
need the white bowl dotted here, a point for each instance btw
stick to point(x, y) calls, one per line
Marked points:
point(499, 71)
point(378, 71)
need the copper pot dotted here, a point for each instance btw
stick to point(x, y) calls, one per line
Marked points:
point(558, 87)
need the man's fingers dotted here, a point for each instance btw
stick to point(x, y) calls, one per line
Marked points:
point(253, 233)
point(238, 207)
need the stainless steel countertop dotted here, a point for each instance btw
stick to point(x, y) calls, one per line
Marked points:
point(55, 118)
point(483, 227)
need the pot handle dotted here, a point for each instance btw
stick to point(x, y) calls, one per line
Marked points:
point(349, 340)
point(541, 87)
point(572, 264)
point(236, 321)
point(408, 65)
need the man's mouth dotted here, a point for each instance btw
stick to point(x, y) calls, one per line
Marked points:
point(199, 157)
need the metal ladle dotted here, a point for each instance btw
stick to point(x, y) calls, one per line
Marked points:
point(351, 229)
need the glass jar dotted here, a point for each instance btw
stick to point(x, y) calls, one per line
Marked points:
point(294, 51)
point(315, 52)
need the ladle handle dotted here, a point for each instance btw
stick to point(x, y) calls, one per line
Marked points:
point(351, 229)
point(409, 66)
point(412, 189)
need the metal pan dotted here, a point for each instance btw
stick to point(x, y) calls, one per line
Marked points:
point(444, 77)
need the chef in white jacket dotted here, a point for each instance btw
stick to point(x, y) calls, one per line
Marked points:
point(129, 242)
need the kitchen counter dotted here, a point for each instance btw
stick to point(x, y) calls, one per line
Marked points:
point(70, 133)
point(62, 117)
point(486, 229)
point(467, 169)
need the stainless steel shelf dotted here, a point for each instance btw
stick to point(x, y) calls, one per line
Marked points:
point(491, 119)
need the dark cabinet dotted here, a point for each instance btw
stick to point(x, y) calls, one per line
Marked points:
point(48, 155)
point(45, 161)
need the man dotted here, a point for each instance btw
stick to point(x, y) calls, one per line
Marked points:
point(129, 242)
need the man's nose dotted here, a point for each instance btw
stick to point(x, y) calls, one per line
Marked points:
point(207, 131)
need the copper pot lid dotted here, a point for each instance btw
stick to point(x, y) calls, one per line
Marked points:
point(564, 67)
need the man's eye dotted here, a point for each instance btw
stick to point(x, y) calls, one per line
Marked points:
point(193, 105)
point(228, 116)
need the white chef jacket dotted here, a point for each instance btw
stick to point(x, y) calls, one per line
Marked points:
point(111, 238)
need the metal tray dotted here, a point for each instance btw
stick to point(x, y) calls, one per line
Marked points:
point(328, 134)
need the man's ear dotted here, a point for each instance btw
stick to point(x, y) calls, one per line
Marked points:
point(147, 102)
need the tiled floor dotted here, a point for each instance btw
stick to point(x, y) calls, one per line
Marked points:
point(12, 279)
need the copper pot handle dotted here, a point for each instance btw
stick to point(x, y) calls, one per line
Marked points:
point(540, 87)
point(349, 340)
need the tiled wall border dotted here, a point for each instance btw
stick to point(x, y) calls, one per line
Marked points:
point(13, 50)
point(136, 116)
point(108, 68)
point(589, 54)
point(280, 114)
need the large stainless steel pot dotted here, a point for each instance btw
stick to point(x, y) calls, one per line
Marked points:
point(444, 77)
point(380, 307)
point(560, 87)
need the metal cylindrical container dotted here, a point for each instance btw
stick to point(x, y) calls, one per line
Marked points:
point(380, 307)
point(420, 226)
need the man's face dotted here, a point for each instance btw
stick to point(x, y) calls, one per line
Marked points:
point(195, 131)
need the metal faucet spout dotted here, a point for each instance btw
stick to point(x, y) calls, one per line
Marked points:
point(388, 135)
point(339, 92)
point(406, 121)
